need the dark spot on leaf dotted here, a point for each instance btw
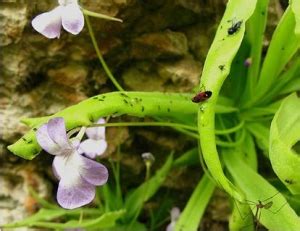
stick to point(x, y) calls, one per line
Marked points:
point(288, 181)
point(34, 129)
point(125, 101)
point(296, 147)
point(221, 67)
point(169, 109)
point(100, 99)
point(124, 95)
point(24, 139)
point(143, 108)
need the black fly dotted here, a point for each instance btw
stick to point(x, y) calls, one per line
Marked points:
point(235, 27)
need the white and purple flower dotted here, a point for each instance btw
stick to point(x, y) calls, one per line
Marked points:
point(68, 15)
point(96, 144)
point(78, 176)
point(175, 213)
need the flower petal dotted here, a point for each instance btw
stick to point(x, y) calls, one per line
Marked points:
point(46, 142)
point(94, 172)
point(49, 23)
point(72, 18)
point(66, 166)
point(57, 132)
point(75, 192)
point(92, 148)
point(96, 133)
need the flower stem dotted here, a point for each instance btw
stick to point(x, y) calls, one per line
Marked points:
point(99, 55)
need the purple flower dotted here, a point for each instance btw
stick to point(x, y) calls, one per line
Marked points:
point(67, 14)
point(96, 144)
point(175, 213)
point(77, 174)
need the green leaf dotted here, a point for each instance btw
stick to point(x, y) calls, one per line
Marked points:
point(221, 52)
point(261, 134)
point(280, 215)
point(106, 220)
point(41, 215)
point(115, 103)
point(135, 201)
point(190, 157)
point(285, 133)
point(283, 46)
point(295, 4)
point(190, 217)
point(255, 35)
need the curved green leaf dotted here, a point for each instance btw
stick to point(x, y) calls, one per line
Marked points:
point(285, 133)
point(116, 103)
point(295, 4)
point(280, 215)
point(283, 46)
point(221, 53)
point(190, 217)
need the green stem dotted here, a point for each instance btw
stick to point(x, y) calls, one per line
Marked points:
point(230, 130)
point(98, 15)
point(143, 124)
point(103, 63)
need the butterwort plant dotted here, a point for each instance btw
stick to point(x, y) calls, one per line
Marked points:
point(78, 175)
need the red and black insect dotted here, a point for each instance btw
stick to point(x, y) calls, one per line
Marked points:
point(201, 96)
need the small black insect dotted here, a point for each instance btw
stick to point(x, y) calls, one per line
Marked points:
point(201, 96)
point(221, 67)
point(235, 27)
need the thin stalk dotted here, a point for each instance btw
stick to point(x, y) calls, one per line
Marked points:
point(143, 124)
point(98, 15)
point(99, 55)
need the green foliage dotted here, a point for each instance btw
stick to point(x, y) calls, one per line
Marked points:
point(195, 207)
point(42, 218)
point(135, 200)
point(284, 136)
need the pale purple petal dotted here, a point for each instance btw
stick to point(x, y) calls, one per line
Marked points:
point(57, 132)
point(46, 142)
point(49, 23)
point(72, 18)
point(93, 172)
point(67, 165)
point(96, 133)
point(171, 227)
point(55, 171)
point(92, 148)
point(75, 192)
